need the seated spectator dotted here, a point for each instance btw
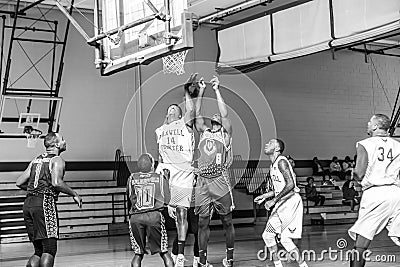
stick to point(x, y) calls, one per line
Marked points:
point(336, 169)
point(291, 160)
point(320, 171)
point(350, 195)
point(348, 166)
point(312, 194)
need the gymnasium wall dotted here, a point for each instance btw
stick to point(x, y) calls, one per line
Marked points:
point(321, 106)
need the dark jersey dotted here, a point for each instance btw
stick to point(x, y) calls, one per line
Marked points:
point(147, 192)
point(40, 177)
point(215, 155)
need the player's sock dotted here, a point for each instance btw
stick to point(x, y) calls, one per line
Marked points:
point(181, 247)
point(203, 256)
point(196, 246)
point(229, 253)
point(278, 264)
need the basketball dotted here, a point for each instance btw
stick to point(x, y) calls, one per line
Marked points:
point(194, 90)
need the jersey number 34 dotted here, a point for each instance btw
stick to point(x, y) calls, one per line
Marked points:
point(382, 155)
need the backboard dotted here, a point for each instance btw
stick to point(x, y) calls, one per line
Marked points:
point(37, 113)
point(143, 31)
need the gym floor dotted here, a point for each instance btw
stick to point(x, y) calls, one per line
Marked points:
point(115, 251)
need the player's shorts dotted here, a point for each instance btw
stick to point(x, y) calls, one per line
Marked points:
point(213, 194)
point(151, 225)
point(40, 216)
point(379, 208)
point(286, 218)
point(181, 184)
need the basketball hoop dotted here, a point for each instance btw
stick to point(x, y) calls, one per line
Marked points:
point(174, 63)
point(32, 136)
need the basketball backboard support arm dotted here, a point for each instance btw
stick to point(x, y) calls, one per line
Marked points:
point(157, 15)
point(98, 55)
point(72, 20)
point(93, 41)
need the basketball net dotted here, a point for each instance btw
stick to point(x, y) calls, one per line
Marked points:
point(31, 140)
point(32, 136)
point(174, 63)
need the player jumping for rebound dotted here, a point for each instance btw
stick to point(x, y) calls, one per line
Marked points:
point(378, 166)
point(286, 219)
point(213, 189)
point(148, 193)
point(175, 140)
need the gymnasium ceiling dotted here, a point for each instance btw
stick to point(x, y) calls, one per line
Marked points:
point(205, 8)
point(200, 7)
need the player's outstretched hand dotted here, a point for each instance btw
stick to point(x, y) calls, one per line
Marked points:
point(78, 200)
point(215, 82)
point(192, 79)
point(172, 212)
point(260, 199)
point(201, 83)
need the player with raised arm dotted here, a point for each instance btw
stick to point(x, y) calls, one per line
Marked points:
point(213, 188)
point(286, 219)
point(148, 193)
point(43, 181)
point(192, 88)
point(378, 169)
point(175, 140)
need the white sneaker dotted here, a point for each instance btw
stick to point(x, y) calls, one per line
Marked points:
point(227, 263)
point(173, 256)
point(180, 261)
point(396, 240)
point(196, 261)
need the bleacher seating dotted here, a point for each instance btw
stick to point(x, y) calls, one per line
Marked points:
point(333, 211)
point(92, 220)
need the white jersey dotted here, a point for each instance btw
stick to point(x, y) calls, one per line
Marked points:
point(381, 151)
point(175, 143)
point(277, 178)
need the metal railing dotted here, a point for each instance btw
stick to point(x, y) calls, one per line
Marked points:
point(117, 204)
